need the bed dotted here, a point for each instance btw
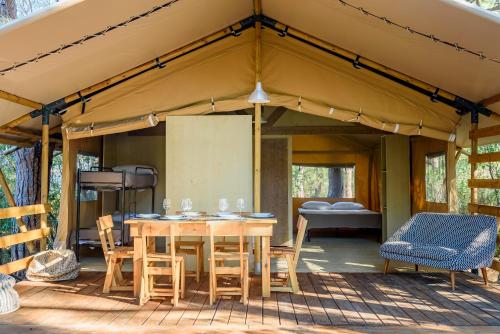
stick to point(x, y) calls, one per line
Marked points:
point(323, 215)
point(119, 179)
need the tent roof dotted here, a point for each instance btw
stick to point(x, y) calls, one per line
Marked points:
point(184, 21)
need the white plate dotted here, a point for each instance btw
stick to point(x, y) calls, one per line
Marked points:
point(172, 217)
point(148, 215)
point(191, 214)
point(261, 215)
point(224, 213)
point(233, 216)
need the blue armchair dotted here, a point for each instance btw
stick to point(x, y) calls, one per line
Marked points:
point(448, 241)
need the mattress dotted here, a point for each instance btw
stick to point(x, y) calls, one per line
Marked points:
point(135, 177)
point(342, 218)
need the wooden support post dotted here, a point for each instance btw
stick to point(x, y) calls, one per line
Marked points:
point(257, 135)
point(45, 173)
point(451, 178)
point(473, 165)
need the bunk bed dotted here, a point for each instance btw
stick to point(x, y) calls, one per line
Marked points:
point(119, 179)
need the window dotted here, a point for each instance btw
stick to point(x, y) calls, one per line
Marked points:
point(85, 161)
point(323, 181)
point(435, 178)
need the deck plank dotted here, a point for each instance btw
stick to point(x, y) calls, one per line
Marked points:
point(442, 305)
point(364, 291)
point(359, 305)
point(357, 300)
point(255, 303)
point(318, 313)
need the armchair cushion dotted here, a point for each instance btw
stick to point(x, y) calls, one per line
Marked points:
point(438, 253)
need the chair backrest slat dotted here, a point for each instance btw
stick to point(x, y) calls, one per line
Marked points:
point(301, 230)
point(105, 229)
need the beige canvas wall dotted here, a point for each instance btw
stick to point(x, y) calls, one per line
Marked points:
point(207, 158)
point(397, 183)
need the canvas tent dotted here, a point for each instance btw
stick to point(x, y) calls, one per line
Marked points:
point(195, 57)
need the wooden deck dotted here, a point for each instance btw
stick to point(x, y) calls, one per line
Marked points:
point(329, 302)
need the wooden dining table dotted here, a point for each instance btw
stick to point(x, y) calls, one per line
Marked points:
point(144, 231)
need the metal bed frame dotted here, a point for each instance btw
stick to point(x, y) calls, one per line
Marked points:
point(118, 187)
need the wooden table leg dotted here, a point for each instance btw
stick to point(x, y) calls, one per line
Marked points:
point(144, 287)
point(266, 267)
point(137, 266)
point(257, 256)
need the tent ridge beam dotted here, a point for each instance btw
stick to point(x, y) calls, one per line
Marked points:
point(20, 100)
point(462, 105)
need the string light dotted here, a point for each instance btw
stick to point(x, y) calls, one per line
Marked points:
point(432, 37)
point(85, 38)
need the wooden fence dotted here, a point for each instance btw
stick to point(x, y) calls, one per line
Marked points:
point(475, 183)
point(22, 237)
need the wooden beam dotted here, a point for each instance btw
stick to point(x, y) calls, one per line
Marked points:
point(491, 100)
point(489, 131)
point(451, 178)
point(33, 135)
point(22, 237)
point(484, 209)
point(44, 175)
point(17, 121)
point(484, 183)
point(484, 157)
point(257, 133)
point(275, 116)
point(15, 266)
point(8, 141)
point(473, 167)
point(321, 130)
point(21, 211)
point(20, 100)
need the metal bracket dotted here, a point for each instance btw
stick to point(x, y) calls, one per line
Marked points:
point(355, 62)
point(84, 101)
point(159, 64)
point(435, 95)
point(234, 32)
point(45, 116)
point(284, 32)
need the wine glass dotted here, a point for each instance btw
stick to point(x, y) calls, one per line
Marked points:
point(223, 204)
point(167, 204)
point(186, 205)
point(240, 205)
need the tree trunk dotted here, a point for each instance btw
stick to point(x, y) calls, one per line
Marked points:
point(336, 188)
point(28, 187)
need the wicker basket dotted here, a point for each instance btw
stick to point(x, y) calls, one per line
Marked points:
point(53, 265)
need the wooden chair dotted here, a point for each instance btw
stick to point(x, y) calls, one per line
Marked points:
point(218, 262)
point(114, 257)
point(174, 268)
point(226, 245)
point(193, 248)
point(291, 254)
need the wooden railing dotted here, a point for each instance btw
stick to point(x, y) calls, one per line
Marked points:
point(22, 237)
point(475, 184)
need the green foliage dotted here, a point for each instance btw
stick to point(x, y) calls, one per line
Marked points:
point(314, 182)
point(435, 178)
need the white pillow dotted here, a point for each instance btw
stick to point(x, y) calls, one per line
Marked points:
point(316, 205)
point(347, 206)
